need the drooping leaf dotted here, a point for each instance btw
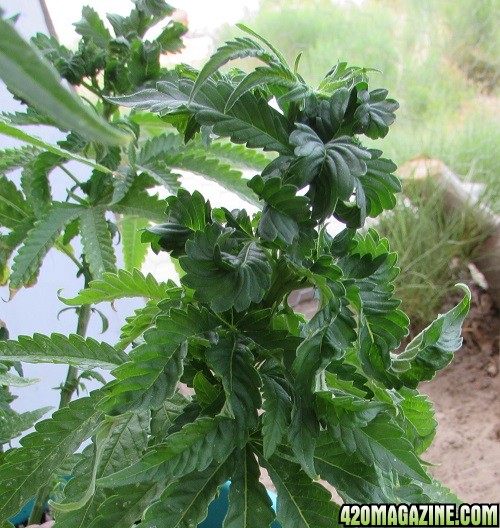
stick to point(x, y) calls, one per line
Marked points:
point(40, 239)
point(13, 380)
point(249, 502)
point(97, 242)
point(302, 503)
point(221, 278)
point(85, 353)
point(26, 469)
point(433, 348)
point(112, 286)
point(184, 503)
point(137, 324)
point(31, 77)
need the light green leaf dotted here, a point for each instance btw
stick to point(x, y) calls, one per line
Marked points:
point(40, 239)
point(113, 286)
point(14, 132)
point(91, 27)
point(85, 353)
point(14, 158)
point(134, 251)
point(13, 425)
point(26, 469)
point(13, 207)
point(141, 204)
point(184, 503)
point(96, 241)
point(249, 502)
point(238, 155)
point(13, 380)
point(31, 77)
point(433, 348)
point(138, 323)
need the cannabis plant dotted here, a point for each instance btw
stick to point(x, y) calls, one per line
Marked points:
point(331, 398)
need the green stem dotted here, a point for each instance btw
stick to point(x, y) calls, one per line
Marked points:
point(67, 391)
point(71, 175)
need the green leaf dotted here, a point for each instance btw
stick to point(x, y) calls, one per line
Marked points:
point(122, 448)
point(16, 133)
point(8, 243)
point(185, 502)
point(284, 210)
point(170, 38)
point(354, 481)
point(238, 48)
point(134, 251)
point(13, 207)
point(91, 27)
point(112, 286)
point(375, 113)
point(40, 239)
point(155, 366)
point(433, 348)
point(383, 443)
point(232, 362)
point(221, 278)
point(35, 181)
point(33, 79)
point(13, 425)
point(302, 503)
point(96, 241)
point(251, 120)
point(276, 417)
point(26, 469)
point(14, 158)
point(331, 169)
point(418, 418)
point(249, 502)
point(197, 445)
point(85, 353)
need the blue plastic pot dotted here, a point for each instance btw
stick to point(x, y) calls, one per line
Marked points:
point(216, 511)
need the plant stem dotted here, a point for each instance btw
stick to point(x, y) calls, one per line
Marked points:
point(67, 391)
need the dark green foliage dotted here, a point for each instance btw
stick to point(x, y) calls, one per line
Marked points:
point(329, 397)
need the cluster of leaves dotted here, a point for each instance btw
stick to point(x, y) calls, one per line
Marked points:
point(327, 398)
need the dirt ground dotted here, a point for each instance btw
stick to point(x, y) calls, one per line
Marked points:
point(466, 396)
